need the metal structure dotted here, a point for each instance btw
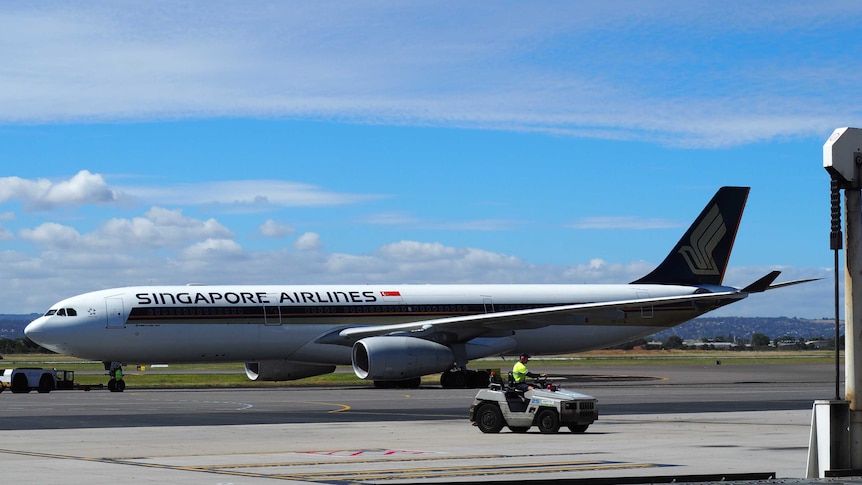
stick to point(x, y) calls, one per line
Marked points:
point(836, 426)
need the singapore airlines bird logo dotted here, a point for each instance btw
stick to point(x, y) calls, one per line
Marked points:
point(704, 240)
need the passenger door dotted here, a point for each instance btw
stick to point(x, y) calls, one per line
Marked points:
point(115, 313)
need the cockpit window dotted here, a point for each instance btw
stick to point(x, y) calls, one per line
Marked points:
point(62, 312)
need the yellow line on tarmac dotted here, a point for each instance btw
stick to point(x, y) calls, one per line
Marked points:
point(341, 407)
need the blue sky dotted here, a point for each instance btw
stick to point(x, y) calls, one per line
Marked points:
point(421, 142)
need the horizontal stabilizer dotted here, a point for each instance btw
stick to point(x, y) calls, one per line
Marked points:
point(791, 283)
point(765, 283)
point(762, 284)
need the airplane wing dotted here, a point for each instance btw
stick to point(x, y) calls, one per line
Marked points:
point(487, 324)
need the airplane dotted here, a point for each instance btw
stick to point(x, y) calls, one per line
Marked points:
point(395, 334)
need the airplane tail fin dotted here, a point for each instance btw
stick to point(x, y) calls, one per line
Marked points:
point(701, 256)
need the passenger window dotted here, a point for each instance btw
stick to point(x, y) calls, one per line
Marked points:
point(71, 312)
point(61, 312)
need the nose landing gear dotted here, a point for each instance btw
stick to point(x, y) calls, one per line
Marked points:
point(116, 382)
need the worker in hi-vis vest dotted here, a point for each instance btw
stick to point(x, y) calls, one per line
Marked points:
point(520, 373)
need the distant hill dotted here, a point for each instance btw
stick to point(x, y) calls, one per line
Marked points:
point(745, 327)
point(12, 326)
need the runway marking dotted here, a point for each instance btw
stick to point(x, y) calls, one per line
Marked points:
point(507, 467)
point(344, 407)
point(468, 471)
point(364, 453)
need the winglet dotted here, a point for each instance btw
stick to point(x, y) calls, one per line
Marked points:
point(701, 255)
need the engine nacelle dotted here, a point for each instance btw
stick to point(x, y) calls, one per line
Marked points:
point(389, 358)
point(284, 370)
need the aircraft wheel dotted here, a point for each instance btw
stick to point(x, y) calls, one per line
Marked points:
point(458, 380)
point(412, 383)
point(112, 385)
point(548, 421)
point(489, 418)
point(519, 429)
point(453, 379)
point(479, 379)
point(444, 380)
point(121, 386)
point(578, 428)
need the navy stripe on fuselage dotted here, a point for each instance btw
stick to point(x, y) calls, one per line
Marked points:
point(305, 313)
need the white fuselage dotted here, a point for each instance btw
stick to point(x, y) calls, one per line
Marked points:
point(252, 323)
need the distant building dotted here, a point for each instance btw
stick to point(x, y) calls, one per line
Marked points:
point(697, 344)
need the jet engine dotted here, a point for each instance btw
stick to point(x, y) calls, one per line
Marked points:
point(387, 358)
point(284, 370)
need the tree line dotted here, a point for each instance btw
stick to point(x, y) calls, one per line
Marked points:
point(20, 346)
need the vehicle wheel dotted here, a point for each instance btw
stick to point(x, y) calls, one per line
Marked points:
point(578, 428)
point(519, 429)
point(20, 384)
point(489, 418)
point(46, 384)
point(548, 421)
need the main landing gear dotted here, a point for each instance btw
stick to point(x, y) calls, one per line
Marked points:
point(116, 382)
point(464, 379)
point(411, 383)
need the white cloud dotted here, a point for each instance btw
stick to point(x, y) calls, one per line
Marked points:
point(245, 196)
point(160, 228)
point(53, 235)
point(70, 266)
point(213, 249)
point(405, 219)
point(612, 222)
point(274, 229)
point(5, 234)
point(310, 241)
point(390, 219)
point(610, 70)
point(43, 194)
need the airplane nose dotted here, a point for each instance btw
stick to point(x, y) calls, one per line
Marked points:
point(46, 334)
point(34, 329)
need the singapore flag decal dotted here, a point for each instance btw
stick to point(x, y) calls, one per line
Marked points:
point(391, 295)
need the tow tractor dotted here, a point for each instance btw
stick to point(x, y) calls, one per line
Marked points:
point(26, 379)
point(546, 406)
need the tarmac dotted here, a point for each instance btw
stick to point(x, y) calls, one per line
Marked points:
point(615, 449)
point(689, 424)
